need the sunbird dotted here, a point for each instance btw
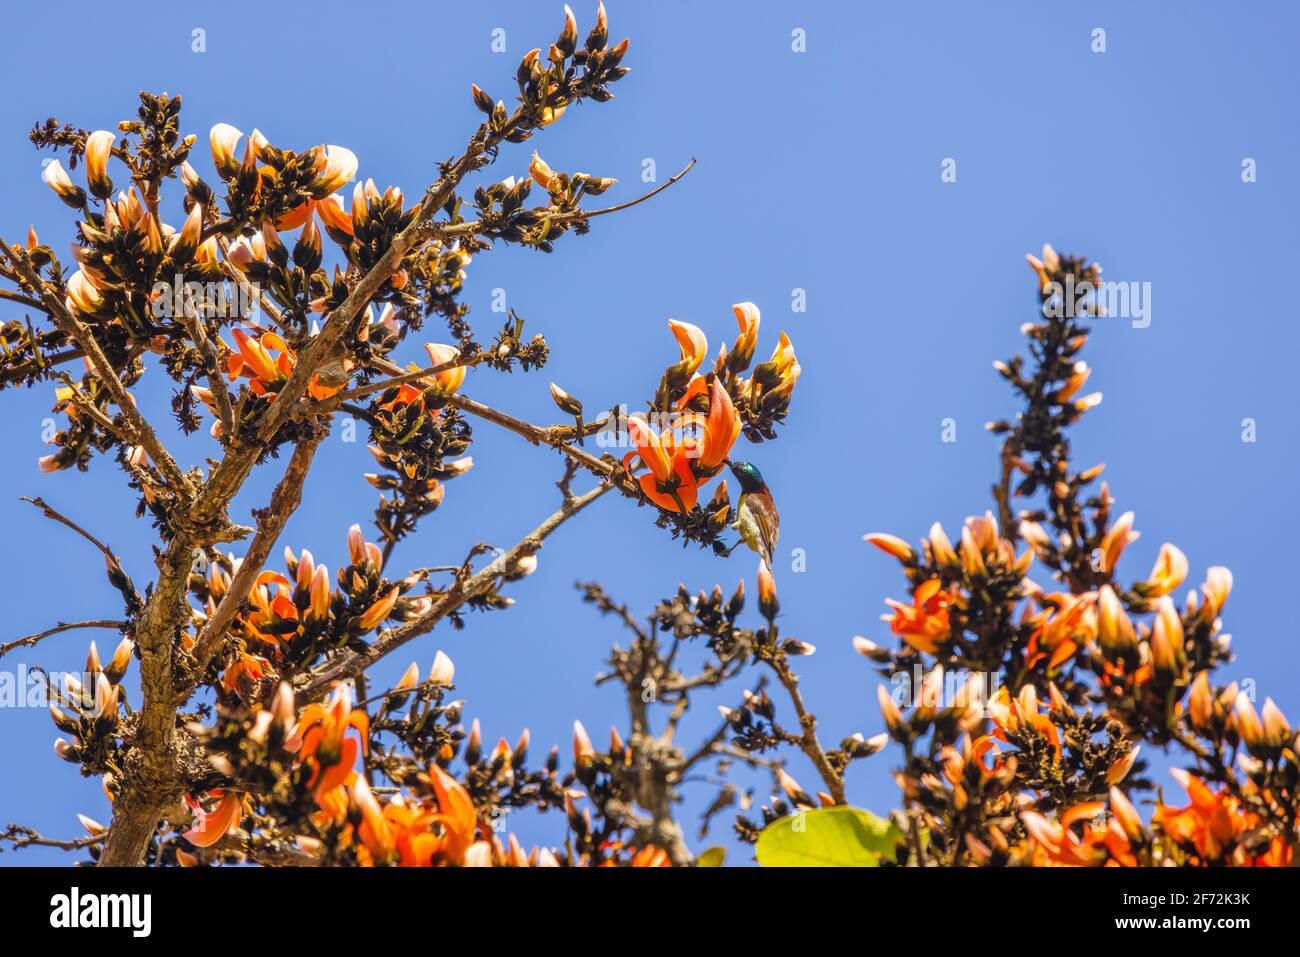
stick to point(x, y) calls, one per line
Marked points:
point(757, 520)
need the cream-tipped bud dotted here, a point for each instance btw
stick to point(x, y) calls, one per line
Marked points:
point(99, 146)
point(443, 671)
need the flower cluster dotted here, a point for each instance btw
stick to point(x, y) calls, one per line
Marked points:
point(687, 436)
point(95, 708)
point(1087, 668)
point(290, 620)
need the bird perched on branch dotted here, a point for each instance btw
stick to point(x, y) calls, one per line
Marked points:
point(757, 520)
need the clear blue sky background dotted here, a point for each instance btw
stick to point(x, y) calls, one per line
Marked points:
point(817, 171)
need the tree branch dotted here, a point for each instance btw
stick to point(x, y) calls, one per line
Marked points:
point(62, 626)
point(316, 684)
point(76, 330)
point(270, 523)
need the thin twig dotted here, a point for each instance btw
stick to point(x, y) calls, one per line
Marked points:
point(578, 215)
point(808, 741)
point(62, 626)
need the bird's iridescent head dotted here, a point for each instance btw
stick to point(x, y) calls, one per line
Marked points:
point(751, 480)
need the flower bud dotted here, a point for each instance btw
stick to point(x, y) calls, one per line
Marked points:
point(410, 678)
point(1277, 731)
point(742, 353)
point(320, 594)
point(339, 168)
point(1249, 726)
point(893, 717)
point(583, 752)
point(541, 173)
point(568, 39)
point(443, 671)
point(223, 140)
point(941, 550)
point(565, 401)
point(1126, 815)
point(307, 250)
point(121, 660)
point(99, 146)
point(56, 177)
point(1114, 630)
point(891, 545)
point(481, 99)
point(440, 354)
point(1167, 652)
point(1119, 770)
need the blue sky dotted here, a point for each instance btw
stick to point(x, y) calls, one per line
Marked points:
point(817, 171)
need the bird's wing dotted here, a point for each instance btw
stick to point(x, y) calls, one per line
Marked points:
point(767, 520)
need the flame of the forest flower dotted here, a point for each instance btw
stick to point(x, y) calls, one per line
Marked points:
point(327, 748)
point(891, 545)
point(223, 139)
point(99, 146)
point(1167, 574)
point(541, 173)
point(440, 353)
point(671, 484)
point(924, 624)
point(212, 826)
point(742, 353)
point(443, 671)
point(338, 168)
point(693, 344)
point(721, 430)
point(1116, 539)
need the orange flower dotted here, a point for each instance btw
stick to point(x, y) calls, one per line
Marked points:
point(336, 167)
point(747, 318)
point(331, 212)
point(268, 373)
point(375, 833)
point(211, 826)
point(440, 354)
point(326, 746)
point(1210, 825)
point(1013, 715)
point(1101, 840)
point(1058, 633)
point(541, 173)
point(423, 835)
point(456, 814)
point(924, 624)
point(250, 668)
point(651, 856)
point(891, 545)
point(1168, 573)
point(670, 484)
point(648, 856)
point(396, 832)
point(713, 435)
point(783, 368)
point(1117, 538)
point(693, 343)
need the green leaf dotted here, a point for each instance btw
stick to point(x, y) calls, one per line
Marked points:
point(828, 837)
point(713, 857)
